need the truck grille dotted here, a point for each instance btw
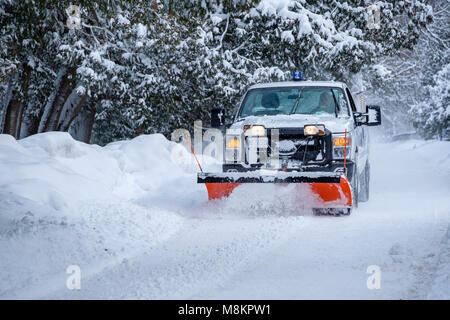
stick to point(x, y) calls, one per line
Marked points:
point(314, 149)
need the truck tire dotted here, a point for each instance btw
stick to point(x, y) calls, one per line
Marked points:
point(365, 184)
point(346, 212)
point(332, 211)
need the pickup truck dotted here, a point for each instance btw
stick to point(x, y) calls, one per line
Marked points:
point(298, 132)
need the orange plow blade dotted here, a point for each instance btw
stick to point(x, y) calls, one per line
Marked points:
point(333, 195)
point(331, 190)
point(220, 190)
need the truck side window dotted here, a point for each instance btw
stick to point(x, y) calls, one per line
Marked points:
point(342, 102)
point(352, 103)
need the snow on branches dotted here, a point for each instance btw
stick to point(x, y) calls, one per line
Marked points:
point(153, 66)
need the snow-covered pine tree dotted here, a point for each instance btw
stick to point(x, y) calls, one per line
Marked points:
point(403, 82)
point(146, 66)
point(40, 79)
point(55, 72)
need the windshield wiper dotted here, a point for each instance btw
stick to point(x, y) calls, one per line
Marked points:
point(294, 107)
point(335, 104)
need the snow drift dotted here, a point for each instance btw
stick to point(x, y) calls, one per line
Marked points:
point(63, 202)
point(54, 169)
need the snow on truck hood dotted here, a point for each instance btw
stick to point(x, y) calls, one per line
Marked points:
point(335, 125)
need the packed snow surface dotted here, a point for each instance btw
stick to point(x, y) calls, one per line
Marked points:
point(137, 224)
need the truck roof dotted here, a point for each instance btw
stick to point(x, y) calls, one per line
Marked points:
point(306, 83)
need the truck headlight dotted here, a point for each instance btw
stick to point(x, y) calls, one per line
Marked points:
point(313, 130)
point(255, 131)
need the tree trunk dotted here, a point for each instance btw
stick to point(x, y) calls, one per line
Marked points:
point(12, 116)
point(15, 106)
point(90, 123)
point(71, 112)
point(81, 127)
point(53, 109)
point(6, 100)
point(30, 125)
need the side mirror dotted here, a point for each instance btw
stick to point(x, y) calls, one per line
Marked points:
point(373, 116)
point(217, 117)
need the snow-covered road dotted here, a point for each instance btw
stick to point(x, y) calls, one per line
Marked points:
point(172, 244)
point(400, 230)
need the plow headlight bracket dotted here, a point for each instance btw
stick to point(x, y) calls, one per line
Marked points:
point(313, 130)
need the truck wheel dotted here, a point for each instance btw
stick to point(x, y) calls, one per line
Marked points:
point(332, 211)
point(365, 184)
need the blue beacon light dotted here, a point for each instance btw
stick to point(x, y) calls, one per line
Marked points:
point(297, 76)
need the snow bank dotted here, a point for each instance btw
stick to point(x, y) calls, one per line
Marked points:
point(53, 169)
point(63, 202)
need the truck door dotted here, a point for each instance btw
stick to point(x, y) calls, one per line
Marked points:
point(360, 138)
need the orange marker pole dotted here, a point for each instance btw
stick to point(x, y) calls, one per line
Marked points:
point(192, 149)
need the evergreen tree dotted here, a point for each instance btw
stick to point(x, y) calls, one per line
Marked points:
point(146, 66)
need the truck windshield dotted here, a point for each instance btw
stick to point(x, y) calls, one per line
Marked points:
point(278, 101)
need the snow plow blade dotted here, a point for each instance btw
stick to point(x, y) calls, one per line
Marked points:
point(332, 189)
point(279, 177)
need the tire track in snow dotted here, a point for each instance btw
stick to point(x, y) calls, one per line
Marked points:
point(440, 287)
point(204, 253)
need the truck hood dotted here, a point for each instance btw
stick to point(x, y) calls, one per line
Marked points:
point(335, 125)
